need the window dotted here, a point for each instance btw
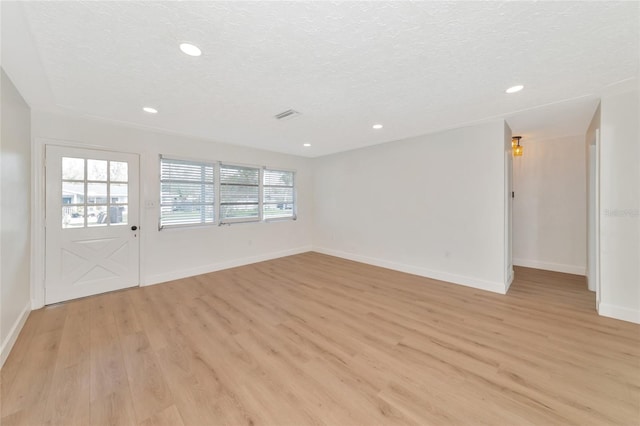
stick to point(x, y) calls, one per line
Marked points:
point(186, 192)
point(239, 193)
point(94, 192)
point(191, 191)
point(278, 194)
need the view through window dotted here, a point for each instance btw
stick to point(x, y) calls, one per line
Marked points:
point(94, 192)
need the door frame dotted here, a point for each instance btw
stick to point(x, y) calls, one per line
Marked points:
point(593, 216)
point(38, 204)
point(508, 218)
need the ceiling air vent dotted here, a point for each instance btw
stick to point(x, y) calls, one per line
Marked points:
point(287, 115)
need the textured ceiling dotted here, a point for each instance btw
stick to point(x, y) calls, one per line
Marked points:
point(416, 67)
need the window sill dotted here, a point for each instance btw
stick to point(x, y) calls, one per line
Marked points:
point(186, 226)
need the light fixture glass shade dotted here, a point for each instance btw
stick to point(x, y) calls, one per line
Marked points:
point(515, 146)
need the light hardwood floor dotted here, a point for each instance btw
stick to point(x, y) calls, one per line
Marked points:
point(315, 340)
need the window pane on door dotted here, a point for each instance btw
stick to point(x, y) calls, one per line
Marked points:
point(72, 193)
point(97, 216)
point(118, 193)
point(72, 217)
point(96, 193)
point(119, 171)
point(72, 168)
point(118, 215)
point(97, 170)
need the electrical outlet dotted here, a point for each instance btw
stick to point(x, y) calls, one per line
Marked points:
point(150, 204)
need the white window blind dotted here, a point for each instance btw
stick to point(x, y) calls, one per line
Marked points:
point(239, 193)
point(278, 199)
point(187, 192)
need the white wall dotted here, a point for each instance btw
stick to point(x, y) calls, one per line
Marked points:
point(433, 205)
point(15, 207)
point(620, 206)
point(549, 217)
point(175, 253)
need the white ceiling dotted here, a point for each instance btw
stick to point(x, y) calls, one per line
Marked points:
point(416, 67)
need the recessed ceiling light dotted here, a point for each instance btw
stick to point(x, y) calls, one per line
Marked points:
point(190, 49)
point(150, 110)
point(307, 145)
point(377, 126)
point(515, 89)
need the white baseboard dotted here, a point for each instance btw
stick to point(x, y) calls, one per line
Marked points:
point(618, 312)
point(205, 269)
point(495, 287)
point(549, 266)
point(36, 304)
point(11, 338)
point(510, 278)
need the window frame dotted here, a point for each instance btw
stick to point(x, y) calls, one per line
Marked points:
point(194, 161)
point(217, 200)
point(294, 214)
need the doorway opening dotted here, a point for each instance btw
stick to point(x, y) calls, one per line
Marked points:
point(554, 187)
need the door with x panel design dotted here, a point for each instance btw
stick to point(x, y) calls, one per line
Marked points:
point(92, 235)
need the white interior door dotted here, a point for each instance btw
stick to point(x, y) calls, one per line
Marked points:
point(92, 206)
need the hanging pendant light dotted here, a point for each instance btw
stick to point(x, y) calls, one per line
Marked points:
point(515, 146)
